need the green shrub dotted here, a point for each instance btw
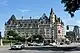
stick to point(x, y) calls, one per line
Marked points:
point(9, 41)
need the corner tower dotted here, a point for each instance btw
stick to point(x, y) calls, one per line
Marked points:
point(52, 16)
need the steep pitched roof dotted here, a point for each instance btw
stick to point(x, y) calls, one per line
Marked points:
point(51, 12)
point(28, 20)
point(13, 18)
point(43, 18)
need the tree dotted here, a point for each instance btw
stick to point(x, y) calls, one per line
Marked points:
point(71, 6)
point(11, 33)
point(37, 38)
point(19, 38)
point(14, 36)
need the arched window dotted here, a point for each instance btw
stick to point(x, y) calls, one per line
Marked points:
point(58, 31)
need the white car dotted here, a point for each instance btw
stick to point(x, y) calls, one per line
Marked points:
point(53, 44)
point(40, 44)
point(35, 44)
point(17, 46)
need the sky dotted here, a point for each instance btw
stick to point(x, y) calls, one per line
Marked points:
point(35, 9)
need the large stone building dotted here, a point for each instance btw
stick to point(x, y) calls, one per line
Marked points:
point(49, 27)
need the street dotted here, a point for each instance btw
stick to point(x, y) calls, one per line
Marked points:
point(6, 50)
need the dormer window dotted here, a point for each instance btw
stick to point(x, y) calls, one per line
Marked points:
point(35, 21)
point(33, 25)
point(29, 25)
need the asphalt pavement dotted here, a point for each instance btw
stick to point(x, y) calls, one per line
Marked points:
point(6, 50)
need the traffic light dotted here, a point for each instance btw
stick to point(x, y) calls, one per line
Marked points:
point(67, 27)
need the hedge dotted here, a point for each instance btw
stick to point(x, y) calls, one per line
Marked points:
point(9, 41)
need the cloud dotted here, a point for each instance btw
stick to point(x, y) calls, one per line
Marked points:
point(24, 10)
point(3, 2)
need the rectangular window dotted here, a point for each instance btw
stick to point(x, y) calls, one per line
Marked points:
point(47, 32)
point(20, 25)
point(19, 22)
point(25, 25)
point(29, 25)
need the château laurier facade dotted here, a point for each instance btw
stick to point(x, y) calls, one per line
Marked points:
point(49, 27)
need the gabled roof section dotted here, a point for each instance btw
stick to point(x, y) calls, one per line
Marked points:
point(28, 20)
point(59, 19)
point(5, 23)
point(12, 18)
point(56, 19)
point(62, 22)
point(43, 18)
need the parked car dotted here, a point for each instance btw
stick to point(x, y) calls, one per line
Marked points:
point(53, 44)
point(35, 44)
point(46, 44)
point(18, 45)
point(61, 43)
point(32, 44)
point(41, 44)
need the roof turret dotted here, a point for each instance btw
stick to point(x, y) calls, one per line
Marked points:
point(51, 12)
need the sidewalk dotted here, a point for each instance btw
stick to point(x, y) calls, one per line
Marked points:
point(5, 46)
point(76, 44)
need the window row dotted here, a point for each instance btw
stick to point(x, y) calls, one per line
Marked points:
point(26, 22)
point(27, 25)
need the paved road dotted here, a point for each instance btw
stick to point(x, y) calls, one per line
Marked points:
point(6, 50)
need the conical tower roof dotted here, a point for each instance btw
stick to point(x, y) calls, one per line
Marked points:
point(51, 12)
